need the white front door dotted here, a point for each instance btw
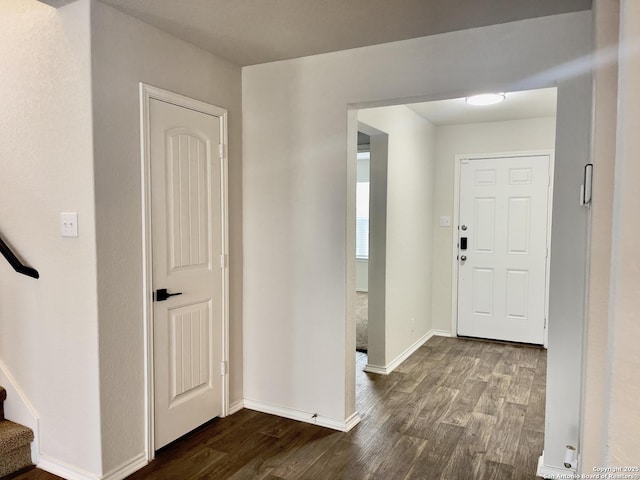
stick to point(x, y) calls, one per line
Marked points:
point(503, 219)
point(186, 199)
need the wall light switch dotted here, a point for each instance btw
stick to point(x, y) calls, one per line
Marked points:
point(69, 224)
point(445, 221)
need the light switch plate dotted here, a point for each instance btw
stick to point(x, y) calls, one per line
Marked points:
point(445, 221)
point(69, 224)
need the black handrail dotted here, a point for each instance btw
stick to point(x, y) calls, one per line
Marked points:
point(17, 265)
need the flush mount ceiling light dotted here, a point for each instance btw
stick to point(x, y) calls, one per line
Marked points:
point(485, 99)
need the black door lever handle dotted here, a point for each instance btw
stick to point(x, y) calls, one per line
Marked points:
point(162, 294)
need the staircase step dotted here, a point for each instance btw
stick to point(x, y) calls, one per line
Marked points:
point(15, 447)
point(3, 397)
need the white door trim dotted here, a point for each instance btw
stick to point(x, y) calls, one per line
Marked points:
point(456, 220)
point(148, 92)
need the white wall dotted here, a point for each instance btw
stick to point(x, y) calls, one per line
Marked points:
point(297, 199)
point(125, 52)
point(594, 410)
point(623, 448)
point(409, 194)
point(490, 137)
point(48, 327)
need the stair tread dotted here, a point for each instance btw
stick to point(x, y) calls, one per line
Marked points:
point(13, 435)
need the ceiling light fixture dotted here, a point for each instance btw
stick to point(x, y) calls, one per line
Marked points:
point(485, 99)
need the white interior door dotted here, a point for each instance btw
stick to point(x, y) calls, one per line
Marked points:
point(186, 199)
point(502, 272)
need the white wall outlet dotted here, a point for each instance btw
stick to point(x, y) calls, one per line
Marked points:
point(413, 322)
point(69, 224)
point(445, 221)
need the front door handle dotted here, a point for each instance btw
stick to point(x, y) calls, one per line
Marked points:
point(463, 258)
point(162, 294)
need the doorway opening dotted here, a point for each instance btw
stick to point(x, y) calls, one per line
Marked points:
point(363, 188)
point(421, 209)
point(370, 253)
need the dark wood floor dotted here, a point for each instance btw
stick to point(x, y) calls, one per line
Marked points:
point(456, 409)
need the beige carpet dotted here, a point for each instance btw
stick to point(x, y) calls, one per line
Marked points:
point(15, 449)
point(15, 443)
point(362, 314)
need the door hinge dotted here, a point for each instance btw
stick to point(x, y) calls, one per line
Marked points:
point(223, 368)
point(545, 323)
point(223, 260)
point(221, 150)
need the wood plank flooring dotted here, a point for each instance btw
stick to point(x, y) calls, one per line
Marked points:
point(456, 409)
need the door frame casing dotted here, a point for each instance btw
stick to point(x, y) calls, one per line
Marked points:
point(456, 220)
point(148, 93)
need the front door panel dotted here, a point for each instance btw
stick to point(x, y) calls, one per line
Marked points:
point(502, 272)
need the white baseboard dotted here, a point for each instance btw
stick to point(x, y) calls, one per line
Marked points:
point(18, 408)
point(70, 472)
point(393, 364)
point(302, 416)
point(64, 470)
point(127, 468)
point(236, 407)
point(441, 333)
point(550, 472)
point(351, 422)
point(369, 368)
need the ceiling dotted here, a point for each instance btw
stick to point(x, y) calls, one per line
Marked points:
point(516, 106)
point(248, 32)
